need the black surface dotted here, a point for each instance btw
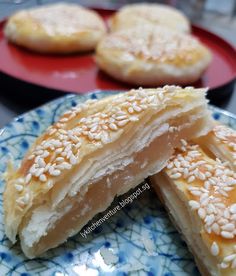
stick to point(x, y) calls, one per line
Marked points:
point(17, 97)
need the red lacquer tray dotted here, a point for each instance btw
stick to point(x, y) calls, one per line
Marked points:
point(79, 73)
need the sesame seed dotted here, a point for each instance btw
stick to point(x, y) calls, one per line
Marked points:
point(19, 187)
point(233, 265)
point(113, 126)
point(233, 209)
point(196, 193)
point(229, 258)
point(191, 178)
point(143, 106)
point(170, 165)
point(176, 175)
point(201, 176)
point(131, 110)
point(228, 227)
point(121, 113)
point(137, 108)
point(220, 205)
point(227, 235)
point(207, 185)
point(26, 198)
point(20, 201)
point(224, 265)
point(49, 184)
point(55, 172)
point(73, 160)
point(66, 165)
point(194, 204)
point(43, 178)
point(215, 249)
point(45, 154)
point(63, 120)
point(133, 118)
point(201, 213)
point(223, 192)
point(38, 172)
point(111, 120)
point(208, 174)
point(41, 163)
point(184, 143)
point(20, 180)
point(192, 188)
point(52, 131)
point(90, 136)
point(104, 127)
point(177, 164)
point(97, 136)
point(215, 228)
point(32, 156)
point(94, 128)
point(122, 123)
point(222, 221)
point(104, 137)
point(28, 178)
point(33, 169)
point(60, 159)
point(209, 219)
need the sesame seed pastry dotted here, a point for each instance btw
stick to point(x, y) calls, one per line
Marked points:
point(154, 14)
point(150, 56)
point(96, 151)
point(60, 28)
point(200, 195)
point(221, 141)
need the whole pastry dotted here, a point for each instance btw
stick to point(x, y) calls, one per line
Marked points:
point(154, 14)
point(58, 28)
point(147, 55)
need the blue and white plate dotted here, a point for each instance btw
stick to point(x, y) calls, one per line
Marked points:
point(137, 240)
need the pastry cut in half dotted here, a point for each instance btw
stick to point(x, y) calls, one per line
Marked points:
point(199, 192)
point(95, 152)
point(61, 28)
point(151, 56)
point(153, 14)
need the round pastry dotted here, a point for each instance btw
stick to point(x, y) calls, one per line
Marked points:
point(59, 28)
point(148, 55)
point(155, 14)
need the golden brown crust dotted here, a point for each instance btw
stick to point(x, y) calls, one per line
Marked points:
point(148, 55)
point(58, 28)
point(155, 14)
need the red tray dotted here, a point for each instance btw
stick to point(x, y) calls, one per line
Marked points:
point(79, 73)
